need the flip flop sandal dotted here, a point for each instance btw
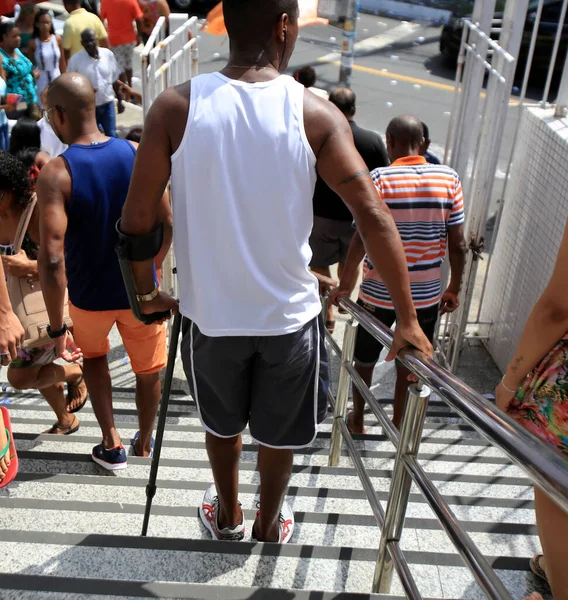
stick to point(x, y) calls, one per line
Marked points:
point(133, 444)
point(55, 428)
point(350, 412)
point(536, 568)
point(330, 326)
point(71, 387)
point(11, 448)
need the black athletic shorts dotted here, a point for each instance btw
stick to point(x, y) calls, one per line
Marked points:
point(276, 384)
point(368, 349)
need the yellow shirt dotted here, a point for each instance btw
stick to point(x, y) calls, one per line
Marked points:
point(77, 22)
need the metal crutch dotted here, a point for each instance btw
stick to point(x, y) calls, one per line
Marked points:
point(151, 486)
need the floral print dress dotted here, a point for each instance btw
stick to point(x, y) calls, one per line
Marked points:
point(541, 403)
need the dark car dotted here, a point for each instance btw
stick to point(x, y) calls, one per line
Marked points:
point(191, 6)
point(451, 36)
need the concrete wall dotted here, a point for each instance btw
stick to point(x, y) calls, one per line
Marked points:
point(534, 216)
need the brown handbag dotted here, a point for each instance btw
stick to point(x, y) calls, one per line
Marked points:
point(26, 296)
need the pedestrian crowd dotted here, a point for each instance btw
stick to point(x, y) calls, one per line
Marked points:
point(284, 186)
point(99, 46)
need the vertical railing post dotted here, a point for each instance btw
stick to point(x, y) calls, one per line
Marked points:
point(410, 436)
point(342, 391)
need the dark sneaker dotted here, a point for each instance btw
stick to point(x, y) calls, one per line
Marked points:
point(112, 459)
point(209, 512)
point(286, 524)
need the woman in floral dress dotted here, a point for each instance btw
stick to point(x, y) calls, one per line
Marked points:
point(539, 402)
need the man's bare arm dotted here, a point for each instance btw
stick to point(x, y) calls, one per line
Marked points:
point(457, 250)
point(53, 187)
point(144, 204)
point(355, 255)
point(165, 216)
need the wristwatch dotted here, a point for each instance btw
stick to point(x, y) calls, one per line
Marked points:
point(56, 334)
point(148, 297)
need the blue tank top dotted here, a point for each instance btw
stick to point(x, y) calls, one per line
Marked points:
point(100, 178)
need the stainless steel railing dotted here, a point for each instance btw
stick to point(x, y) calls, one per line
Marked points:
point(545, 466)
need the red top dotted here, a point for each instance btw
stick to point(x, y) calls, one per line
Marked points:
point(7, 7)
point(120, 16)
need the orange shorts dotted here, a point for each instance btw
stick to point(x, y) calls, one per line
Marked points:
point(144, 344)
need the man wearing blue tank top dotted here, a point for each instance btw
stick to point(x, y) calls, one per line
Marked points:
point(80, 195)
point(242, 148)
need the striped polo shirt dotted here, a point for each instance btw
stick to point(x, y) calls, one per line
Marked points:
point(424, 200)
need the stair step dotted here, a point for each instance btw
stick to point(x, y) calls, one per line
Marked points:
point(302, 475)
point(175, 445)
point(45, 486)
point(211, 562)
point(67, 588)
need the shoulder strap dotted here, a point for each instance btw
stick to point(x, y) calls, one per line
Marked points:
point(24, 223)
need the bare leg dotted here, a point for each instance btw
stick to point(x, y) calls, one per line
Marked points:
point(552, 524)
point(97, 377)
point(400, 391)
point(5, 461)
point(356, 419)
point(275, 467)
point(49, 381)
point(224, 456)
point(128, 73)
point(147, 401)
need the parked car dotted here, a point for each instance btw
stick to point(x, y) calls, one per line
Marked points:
point(451, 36)
point(191, 6)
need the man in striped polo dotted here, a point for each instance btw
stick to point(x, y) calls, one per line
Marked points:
point(426, 202)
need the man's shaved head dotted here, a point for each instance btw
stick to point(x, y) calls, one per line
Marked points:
point(406, 130)
point(88, 34)
point(73, 93)
point(251, 23)
point(344, 98)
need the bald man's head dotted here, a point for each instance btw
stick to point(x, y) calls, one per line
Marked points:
point(71, 104)
point(73, 92)
point(90, 43)
point(406, 130)
point(345, 100)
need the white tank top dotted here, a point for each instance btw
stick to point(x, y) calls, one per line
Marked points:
point(242, 184)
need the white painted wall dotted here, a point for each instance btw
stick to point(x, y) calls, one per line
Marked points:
point(534, 216)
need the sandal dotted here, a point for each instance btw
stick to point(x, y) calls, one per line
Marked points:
point(71, 387)
point(350, 412)
point(536, 568)
point(68, 430)
point(330, 326)
point(133, 444)
point(10, 447)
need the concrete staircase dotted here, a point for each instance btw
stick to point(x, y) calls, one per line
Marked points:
point(70, 530)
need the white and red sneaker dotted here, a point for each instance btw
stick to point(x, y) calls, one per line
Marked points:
point(209, 513)
point(286, 524)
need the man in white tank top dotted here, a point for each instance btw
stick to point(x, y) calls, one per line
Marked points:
point(242, 147)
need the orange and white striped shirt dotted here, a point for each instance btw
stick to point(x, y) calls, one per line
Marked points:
point(424, 200)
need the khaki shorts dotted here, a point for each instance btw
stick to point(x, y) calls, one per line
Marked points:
point(124, 55)
point(144, 344)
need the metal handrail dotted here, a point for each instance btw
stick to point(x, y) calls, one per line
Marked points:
point(545, 465)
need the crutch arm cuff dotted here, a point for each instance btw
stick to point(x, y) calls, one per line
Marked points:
point(141, 247)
